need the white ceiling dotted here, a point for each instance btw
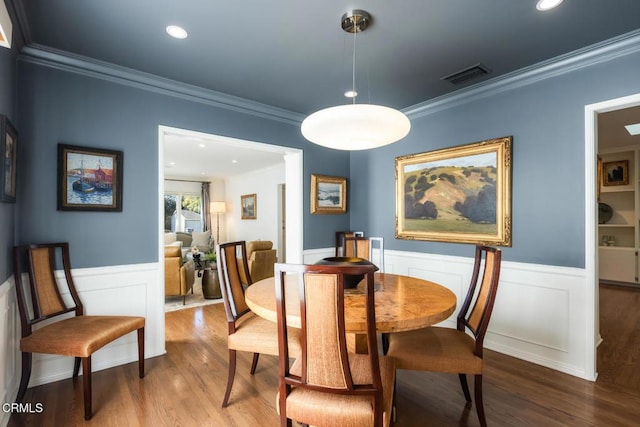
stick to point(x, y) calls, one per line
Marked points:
point(204, 158)
point(611, 128)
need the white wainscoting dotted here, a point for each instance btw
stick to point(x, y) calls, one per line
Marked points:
point(120, 290)
point(539, 315)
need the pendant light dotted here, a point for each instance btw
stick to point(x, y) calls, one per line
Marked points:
point(355, 126)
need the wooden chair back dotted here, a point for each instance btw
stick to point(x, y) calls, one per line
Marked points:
point(41, 296)
point(364, 247)
point(478, 304)
point(340, 235)
point(324, 359)
point(229, 265)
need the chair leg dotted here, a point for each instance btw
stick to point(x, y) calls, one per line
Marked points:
point(86, 385)
point(141, 352)
point(26, 374)
point(465, 387)
point(232, 373)
point(76, 366)
point(478, 395)
point(254, 363)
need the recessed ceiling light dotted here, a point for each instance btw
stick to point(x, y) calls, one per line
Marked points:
point(351, 94)
point(201, 145)
point(177, 32)
point(633, 129)
point(548, 4)
point(234, 161)
point(172, 163)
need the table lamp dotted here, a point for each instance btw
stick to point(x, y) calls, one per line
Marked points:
point(217, 208)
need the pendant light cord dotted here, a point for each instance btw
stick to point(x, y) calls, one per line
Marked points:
point(353, 75)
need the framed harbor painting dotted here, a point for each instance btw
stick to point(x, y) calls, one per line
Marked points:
point(9, 150)
point(89, 179)
point(328, 194)
point(460, 194)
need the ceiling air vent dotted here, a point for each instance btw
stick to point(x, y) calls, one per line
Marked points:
point(470, 73)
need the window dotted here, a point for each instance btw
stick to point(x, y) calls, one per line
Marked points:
point(183, 212)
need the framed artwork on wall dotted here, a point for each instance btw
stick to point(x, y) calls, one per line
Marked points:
point(328, 194)
point(8, 168)
point(89, 179)
point(460, 194)
point(615, 173)
point(249, 205)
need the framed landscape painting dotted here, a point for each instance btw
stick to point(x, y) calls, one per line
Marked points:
point(328, 194)
point(89, 179)
point(249, 206)
point(460, 194)
point(9, 150)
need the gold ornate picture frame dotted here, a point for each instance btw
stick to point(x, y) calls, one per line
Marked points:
point(460, 194)
point(328, 194)
point(615, 173)
point(249, 206)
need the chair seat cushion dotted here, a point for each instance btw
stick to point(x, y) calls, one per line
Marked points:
point(321, 408)
point(257, 335)
point(435, 349)
point(79, 336)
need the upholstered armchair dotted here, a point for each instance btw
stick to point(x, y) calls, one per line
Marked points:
point(261, 258)
point(178, 276)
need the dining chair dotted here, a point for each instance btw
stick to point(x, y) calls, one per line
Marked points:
point(340, 235)
point(247, 331)
point(439, 349)
point(51, 296)
point(366, 248)
point(326, 385)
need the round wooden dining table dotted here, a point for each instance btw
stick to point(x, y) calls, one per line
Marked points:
point(403, 303)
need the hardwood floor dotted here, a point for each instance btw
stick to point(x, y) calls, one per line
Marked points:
point(185, 387)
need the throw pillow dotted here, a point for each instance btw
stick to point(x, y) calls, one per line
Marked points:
point(202, 241)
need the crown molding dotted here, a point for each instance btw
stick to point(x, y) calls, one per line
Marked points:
point(607, 50)
point(61, 60)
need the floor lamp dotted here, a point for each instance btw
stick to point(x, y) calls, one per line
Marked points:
point(217, 208)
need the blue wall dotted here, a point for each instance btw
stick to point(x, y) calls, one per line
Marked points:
point(546, 120)
point(58, 106)
point(7, 107)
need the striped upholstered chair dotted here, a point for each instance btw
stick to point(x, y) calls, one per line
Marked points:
point(449, 350)
point(327, 386)
point(247, 331)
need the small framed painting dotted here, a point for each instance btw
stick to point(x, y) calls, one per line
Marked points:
point(328, 194)
point(9, 150)
point(249, 206)
point(89, 179)
point(615, 173)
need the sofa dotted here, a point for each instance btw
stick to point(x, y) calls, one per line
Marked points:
point(178, 275)
point(202, 240)
point(261, 258)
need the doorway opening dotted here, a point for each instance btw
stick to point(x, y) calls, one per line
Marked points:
point(592, 111)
